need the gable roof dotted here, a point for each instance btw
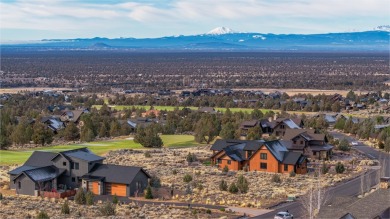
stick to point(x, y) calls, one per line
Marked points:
point(235, 152)
point(41, 174)
point(80, 153)
point(251, 123)
point(40, 159)
point(115, 173)
point(250, 145)
point(277, 149)
point(308, 134)
point(293, 158)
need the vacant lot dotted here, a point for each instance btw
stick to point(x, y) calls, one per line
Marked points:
point(8, 157)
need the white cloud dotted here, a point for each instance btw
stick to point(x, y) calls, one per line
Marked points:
point(193, 16)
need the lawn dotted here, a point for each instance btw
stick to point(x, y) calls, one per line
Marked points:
point(98, 147)
point(171, 108)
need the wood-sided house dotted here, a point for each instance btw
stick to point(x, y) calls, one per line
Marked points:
point(306, 141)
point(58, 173)
point(279, 126)
point(257, 155)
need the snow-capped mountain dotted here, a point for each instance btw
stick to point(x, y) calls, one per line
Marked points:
point(383, 28)
point(220, 31)
point(225, 39)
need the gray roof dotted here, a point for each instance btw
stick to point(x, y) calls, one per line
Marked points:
point(293, 158)
point(21, 169)
point(321, 148)
point(40, 159)
point(41, 174)
point(250, 145)
point(277, 148)
point(83, 155)
point(368, 207)
point(115, 173)
point(236, 152)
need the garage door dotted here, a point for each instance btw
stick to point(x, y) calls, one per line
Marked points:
point(95, 188)
point(118, 189)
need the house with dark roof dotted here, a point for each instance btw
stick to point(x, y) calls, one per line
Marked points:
point(54, 123)
point(279, 126)
point(55, 173)
point(306, 141)
point(246, 125)
point(207, 110)
point(257, 155)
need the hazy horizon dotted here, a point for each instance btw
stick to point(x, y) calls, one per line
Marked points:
point(23, 20)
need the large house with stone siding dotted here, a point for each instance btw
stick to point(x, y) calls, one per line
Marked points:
point(55, 174)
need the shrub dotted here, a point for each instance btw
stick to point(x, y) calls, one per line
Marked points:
point(187, 178)
point(292, 173)
point(381, 145)
point(340, 167)
point(115, 199)
point(276, 178)
point(148, 193)
point(344, 145)
point(65, 208)
point(155, 182)
point(199, 185)
point(242, 184)
point(79, 198)
point(225, 169)
point(1, 196)
point(89, 198)
point(147, 154)
point(208, 211)
point(233, 188)
point(223, 186)
point(324, 168)
point(191, 157)
point(246, 168)
point(107, 209)
point(42, 215)
point(174, 172)
point(222, 209)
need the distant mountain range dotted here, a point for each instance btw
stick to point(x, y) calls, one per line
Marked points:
point(225, 39)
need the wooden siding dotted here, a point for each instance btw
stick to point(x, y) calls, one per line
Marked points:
point(272, 163)
point(234, 165)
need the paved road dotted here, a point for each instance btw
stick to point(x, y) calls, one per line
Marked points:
point(350, 188)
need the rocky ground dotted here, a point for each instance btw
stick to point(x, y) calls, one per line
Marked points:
point(28, 207)
point(170, 166)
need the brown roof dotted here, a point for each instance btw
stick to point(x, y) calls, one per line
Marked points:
point(305, 133)
point(251, 123)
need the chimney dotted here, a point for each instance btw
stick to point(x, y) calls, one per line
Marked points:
point(275, 117)
point(269, 119)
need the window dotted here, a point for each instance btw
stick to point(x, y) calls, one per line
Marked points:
point(286, 167)
point(19, 185)
point(263, 156)
point(229, 162)
point(219, 161)
point(282, 126)
point(301, 142)
point(263, 165)
point(295, 142)
point(314, 153)
point(63, 163)
point(250, 153)
point(75, 166)
point(73, 179)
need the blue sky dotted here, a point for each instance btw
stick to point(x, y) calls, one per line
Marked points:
point(59, 19)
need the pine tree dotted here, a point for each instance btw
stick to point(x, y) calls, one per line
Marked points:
point(148, 193)
point(206, 129)
point(114, 129)
point(42, 135)
point(65, 208)
point(254, 133)
point(242, 184)
point(227, 131)
point(71, 132)
point(87, 134)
